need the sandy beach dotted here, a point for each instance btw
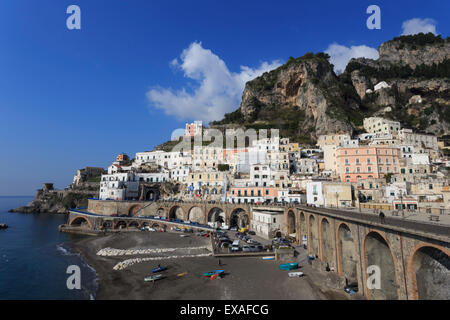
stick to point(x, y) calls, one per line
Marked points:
point(245, 278)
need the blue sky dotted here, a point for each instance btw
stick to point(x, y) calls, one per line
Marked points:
point(72, 98)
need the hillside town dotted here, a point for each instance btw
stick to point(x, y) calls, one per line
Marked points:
point(387, 167)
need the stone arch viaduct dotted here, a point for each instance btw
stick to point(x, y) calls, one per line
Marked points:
point(412, 258)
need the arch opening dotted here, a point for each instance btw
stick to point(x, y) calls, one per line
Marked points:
point(216, 216)
point(134, 210)
point(239, 219)
point(378, 253)
point(347, 253)
point(291, 224)
point(176, 212)
point(121, 225)
point(431, 269)
point(81, 222)
point(195, 214)
point(327, 243)
point(314, 241)
point(133, 224)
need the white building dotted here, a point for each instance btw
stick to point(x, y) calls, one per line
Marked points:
point(425, 141)
point(266, 223)
point(194, 128)
point(314, 193)
point(381, 85)
point(397, 190)
point(180, 174)
point(119, 186)
point(381, 125)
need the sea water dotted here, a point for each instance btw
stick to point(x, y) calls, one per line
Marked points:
point(34, 256)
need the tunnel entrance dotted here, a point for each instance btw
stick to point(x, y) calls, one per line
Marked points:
point(379, 254)
point(432, 271)
point(347, 253)
point(150, 195)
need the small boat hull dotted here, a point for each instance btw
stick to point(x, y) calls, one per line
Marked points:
point(268, 258)
point(295, 274)
point(153, 278)
point(211, 273)
point(289, 266)
point(159, 269)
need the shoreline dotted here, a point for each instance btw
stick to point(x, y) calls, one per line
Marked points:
point(246, 278)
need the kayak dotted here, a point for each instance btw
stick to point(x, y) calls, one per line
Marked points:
point(211, 273)
point(181, 274)
point(153, 277)
point(295, 274)
point(159, 269)
point(289, 266)
point(268, 258)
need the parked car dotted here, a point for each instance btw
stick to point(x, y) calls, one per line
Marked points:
point(246, 249)
point(252, 233)
point(351, 287)
point(233, 229)
point(252, 241)
point(260, 248)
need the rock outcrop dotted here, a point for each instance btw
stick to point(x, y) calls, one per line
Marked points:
point(304, 98)
point(50, 200)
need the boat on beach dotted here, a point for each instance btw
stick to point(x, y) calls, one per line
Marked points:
point(268, 258)
point(214, 272)
point(153, 278)
point(159, 269)
point(295, 274)
point(289, 266)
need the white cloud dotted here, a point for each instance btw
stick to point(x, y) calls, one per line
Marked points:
point(418, 25)
point(217, 92)
point(340, 55)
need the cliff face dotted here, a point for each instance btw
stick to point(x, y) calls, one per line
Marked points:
point(50, 200)
point(417, 70)
point(301, 98)
point(305, 98)
point(415, 50)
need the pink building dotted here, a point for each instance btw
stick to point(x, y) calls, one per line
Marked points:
point(252, 194)
point(367, 162)
point(193, 129)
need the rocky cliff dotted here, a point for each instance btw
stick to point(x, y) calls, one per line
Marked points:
point(50, 200)
point(304, 98)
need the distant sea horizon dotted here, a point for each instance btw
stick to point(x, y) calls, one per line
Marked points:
point(16, 196)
